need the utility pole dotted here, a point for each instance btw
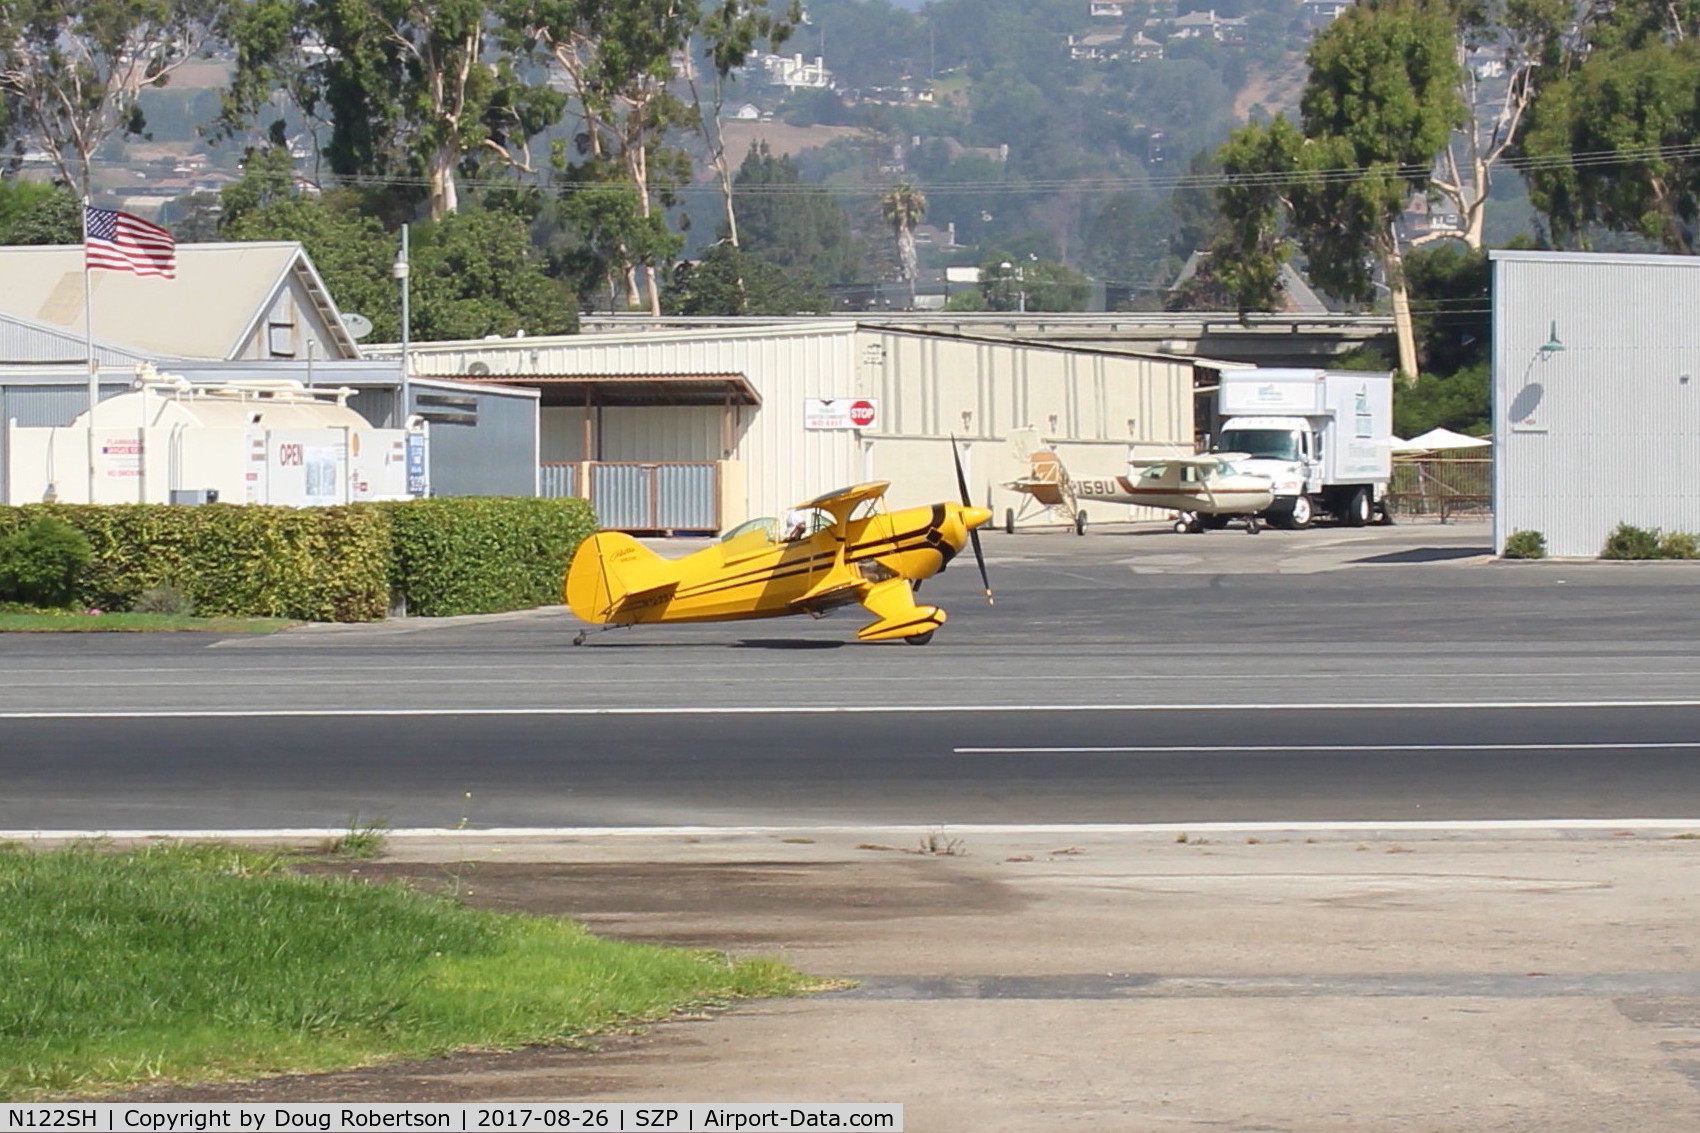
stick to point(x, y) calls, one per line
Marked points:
point(401, 271)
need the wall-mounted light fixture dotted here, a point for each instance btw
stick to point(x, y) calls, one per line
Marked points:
point(967, 420)
point(1552, 345)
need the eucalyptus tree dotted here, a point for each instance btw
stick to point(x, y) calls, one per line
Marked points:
point(71, 71)
point(409, 90)
point(1380, 103)
point(730, 31)
point(1610, 141)
point(1505, 48)
point(618, 62)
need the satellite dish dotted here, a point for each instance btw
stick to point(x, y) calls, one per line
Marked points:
point(359, 326)
point(478, 369)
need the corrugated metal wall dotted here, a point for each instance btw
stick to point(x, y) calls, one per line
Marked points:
point(1606, 430)
point(1098, 408)
point(496, 456)
point(23, 342)
point(929, 386)
point(787, 364)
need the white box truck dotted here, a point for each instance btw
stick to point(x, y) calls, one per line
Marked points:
point(1323, 437)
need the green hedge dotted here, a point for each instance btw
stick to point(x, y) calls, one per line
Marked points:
point(317, 564)
point(482, 555)
point(441, 557)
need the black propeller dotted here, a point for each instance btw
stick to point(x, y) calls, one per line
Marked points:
point(973, 532)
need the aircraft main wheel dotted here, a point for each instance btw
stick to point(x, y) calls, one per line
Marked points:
point(918, 638)
point(1252, 526)
point(1009, 521)
point(1080, 522)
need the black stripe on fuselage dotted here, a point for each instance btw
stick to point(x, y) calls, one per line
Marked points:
point(923, 538)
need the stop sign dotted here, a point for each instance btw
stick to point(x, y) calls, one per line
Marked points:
point(861, 413)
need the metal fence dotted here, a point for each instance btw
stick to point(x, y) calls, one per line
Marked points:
point(1441, 486)
point(557, 481)
point(665, 496)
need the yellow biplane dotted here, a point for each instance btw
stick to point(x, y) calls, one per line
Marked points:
point(840, 549)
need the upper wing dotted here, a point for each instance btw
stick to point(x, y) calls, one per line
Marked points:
point(844, 500)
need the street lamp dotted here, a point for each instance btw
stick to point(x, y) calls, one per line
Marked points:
point(401, 271)
point(1012, 271)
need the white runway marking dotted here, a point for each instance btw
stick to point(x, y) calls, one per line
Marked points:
point(1556, 827)
point(845, 709)
point(1259, 749)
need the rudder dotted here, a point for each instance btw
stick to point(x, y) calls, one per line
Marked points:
point(607, 568)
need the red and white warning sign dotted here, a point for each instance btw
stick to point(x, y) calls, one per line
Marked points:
point(840, 413)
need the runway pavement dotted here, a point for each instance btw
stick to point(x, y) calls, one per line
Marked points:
point(1309, 975)
point(1369, 615)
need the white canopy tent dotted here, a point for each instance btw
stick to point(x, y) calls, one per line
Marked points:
point(1438, 440)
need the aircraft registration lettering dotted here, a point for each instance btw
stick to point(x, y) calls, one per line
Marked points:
point(1096, 487)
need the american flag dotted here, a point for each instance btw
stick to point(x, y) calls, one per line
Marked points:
point(123, 242)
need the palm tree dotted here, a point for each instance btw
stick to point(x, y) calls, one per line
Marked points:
point(903, 206)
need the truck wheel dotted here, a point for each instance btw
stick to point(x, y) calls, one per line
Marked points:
point(1009, 521)
point(1299, 518)
point(1358, 508)
point(1080, 522)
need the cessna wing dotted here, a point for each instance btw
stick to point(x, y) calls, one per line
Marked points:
point(1188, 460)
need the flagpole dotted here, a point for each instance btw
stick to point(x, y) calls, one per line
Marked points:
point(88, 342)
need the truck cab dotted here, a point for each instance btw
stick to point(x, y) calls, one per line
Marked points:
point(1285, 449)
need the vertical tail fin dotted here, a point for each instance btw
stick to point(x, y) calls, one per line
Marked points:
point(1047, 480)
point(607, 569)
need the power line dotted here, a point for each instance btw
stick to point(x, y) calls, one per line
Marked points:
point(1267, 179)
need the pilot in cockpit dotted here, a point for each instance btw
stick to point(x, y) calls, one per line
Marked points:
point(795, 526)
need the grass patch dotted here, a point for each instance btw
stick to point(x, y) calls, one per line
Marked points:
point(362, 841)
point(197, 962)
point(78, 621)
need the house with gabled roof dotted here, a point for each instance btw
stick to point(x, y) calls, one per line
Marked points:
point(237, 314)
point(229, 301)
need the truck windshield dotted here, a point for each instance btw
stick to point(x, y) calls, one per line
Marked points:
point(1266, 444)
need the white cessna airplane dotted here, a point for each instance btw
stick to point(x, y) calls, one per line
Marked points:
point(1204, 489)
